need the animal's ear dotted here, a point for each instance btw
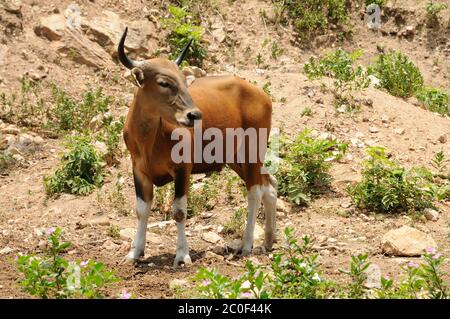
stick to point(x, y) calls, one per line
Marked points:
point(138, 77)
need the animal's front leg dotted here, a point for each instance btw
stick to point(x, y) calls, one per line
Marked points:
point(179, 210)
point(144, 196)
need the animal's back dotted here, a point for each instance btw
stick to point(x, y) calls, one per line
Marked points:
point(234, 99)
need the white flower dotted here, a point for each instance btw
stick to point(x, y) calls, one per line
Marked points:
point(246, 285)
point(316, 277)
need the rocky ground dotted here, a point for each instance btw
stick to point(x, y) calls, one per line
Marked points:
point(35, 41)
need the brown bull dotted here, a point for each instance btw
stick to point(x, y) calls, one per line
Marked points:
point(162, 104)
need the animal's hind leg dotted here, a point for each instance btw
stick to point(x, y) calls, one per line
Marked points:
point(144, 196)
point(269, 199)
point(254, 195)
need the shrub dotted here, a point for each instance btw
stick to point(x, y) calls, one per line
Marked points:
point(203, 196)
point(80, 171)
point(70, 114)
point(433, 12)
point(434, 100)
point(52, 276)
point(6, 161)
point(183, 27)
point(358, 275)
point(304, 171)
point(397, 74)
point(236, 224)
point(339, 65)
point(387, 187)
point(311, 17)
point(111, 134)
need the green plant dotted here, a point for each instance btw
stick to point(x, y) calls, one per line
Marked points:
point(70, 114)
point(52, 276)
point(357, 272)
point(434, 100)
point(204, 196)
point(397, 74)
point(433, 12)
point(236, 224)
point(114, 231)
point(387, 187)
point(307, 111)
point(183, 27)
point(267, 88)
point(339, 65)
point(111, 134)
point(311, 17)
point(377, 2)
point(80, 170)
point(303, 172)
point(276, 50)
point(6, 161)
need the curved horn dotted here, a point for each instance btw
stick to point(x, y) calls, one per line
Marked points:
point(183, 53)
point(127, 62)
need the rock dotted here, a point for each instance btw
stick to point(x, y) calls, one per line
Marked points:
point(51, 27)
point(218, 32)
point(234, 246)
point(10, 130)
point(374, 81)
point(101, 220)
point(79, 49)
point(399, 131)
point(3, 143)
point(178, 283)
point(13, 6)
point(197, 72)
point(259, 232)
point(385, 119)
point(101, 148)
point(211, 237)
point(6, 250)
point(373, 129)
point(431, 214)
point(127, 233)
point(107, 29)
point(188, 71)
point(283, 206)
point(373, 273)
point(442, 139)
point(211, 255)
point(406, 241)
point(410, 30)
point(110, 245)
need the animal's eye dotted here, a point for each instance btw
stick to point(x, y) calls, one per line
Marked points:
point(164, 84)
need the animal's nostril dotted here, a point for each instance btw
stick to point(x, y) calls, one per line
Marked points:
point(194, 115)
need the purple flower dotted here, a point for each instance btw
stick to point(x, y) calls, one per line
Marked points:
point(51, 231)
point(84, 263)
point(387, 277)
point(437, 256)
point(246, 294)
point(124, 295)
point(413, 265)
point(206, 282)
point(431, 250)
point(16, 258)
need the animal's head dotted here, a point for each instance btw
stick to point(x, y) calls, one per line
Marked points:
point(161, 87)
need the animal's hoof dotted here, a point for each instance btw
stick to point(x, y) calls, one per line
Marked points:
point(183, 260)
point(243, 252)
point(132, 257)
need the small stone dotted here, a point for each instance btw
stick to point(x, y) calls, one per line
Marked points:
point(346, 204)
point(234, 246)
point(6, 250)
point(127, 233)
point(110, 245)
point(399, 131)
point(101, 220)
point(385, 119)
point(197, 72)
point(178, 283)
point(283, 206)
point(431, 214)
point(211, 255)
point(211, 237)
point(442, 139)
point(373, 129)
point(373, 273)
